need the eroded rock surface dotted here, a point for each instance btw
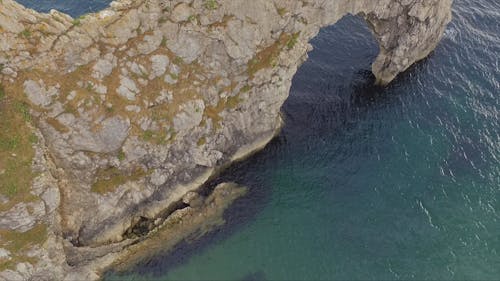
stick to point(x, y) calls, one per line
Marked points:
point(139, 104)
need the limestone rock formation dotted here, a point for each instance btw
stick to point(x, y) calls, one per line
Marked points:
point(137, 105)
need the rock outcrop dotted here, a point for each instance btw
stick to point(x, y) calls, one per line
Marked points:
point(141, 103)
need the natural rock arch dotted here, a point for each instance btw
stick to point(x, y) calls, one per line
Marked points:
point(144, 101)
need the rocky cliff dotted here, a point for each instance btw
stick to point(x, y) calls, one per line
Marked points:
point(112, 118)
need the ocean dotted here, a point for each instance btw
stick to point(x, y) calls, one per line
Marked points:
point(364, 182)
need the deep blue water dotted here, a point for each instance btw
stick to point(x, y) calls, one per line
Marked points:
point(74, 8)
point(364, 182)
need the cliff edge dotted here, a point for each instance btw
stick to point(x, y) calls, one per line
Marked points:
point(110, 119)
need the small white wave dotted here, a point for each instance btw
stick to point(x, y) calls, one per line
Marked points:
point(450, 33)
point(427, 213)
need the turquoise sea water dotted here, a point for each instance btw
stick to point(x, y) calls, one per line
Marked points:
point(363, 182)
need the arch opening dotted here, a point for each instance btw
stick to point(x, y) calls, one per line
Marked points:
point(336, 81)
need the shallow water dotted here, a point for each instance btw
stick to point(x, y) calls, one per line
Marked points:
point(400, 182)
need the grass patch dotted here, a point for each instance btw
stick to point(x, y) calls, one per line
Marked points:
point(108, 180)
point(78, 21)
point(178, 60)
point(211, 4)
point(26, 33)
point(268, 57)
point(16, 151)
point(163, 42)
point(23, 109)
point(10, 143)
point(281, 11)
point(155, 137)
point(57, 125)
point(292, 41)
point(121, 155)
point(33, 138)
point(202, 141)
point(148, 135)
point(19, 242)
point(16, 242)
point(246, 89)
point(162, 20)
point(233, 102)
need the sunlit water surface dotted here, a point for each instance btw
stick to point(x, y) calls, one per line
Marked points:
point(363, 182)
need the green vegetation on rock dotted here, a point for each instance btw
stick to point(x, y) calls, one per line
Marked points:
point(17, 243)
point(26, 33)
point(268, 57)
point(2, 91)
point(211, 4)
point(16, 151)
point(292, 41)
point(110, 179)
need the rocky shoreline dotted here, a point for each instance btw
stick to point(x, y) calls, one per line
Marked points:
point(111, 119)
point(196, 216)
